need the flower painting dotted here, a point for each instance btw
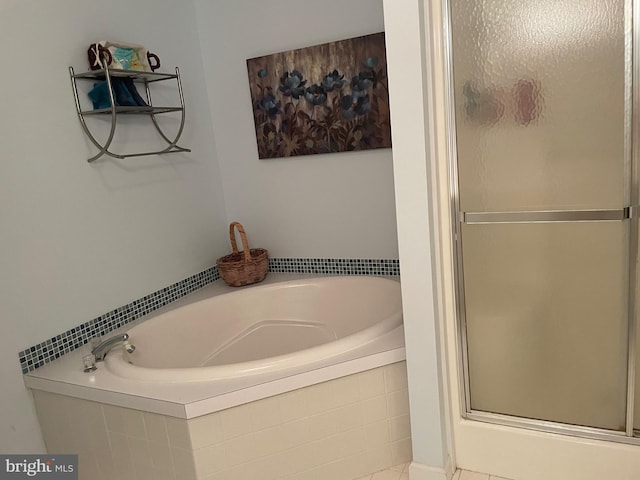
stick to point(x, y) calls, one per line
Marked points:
point(323, 99)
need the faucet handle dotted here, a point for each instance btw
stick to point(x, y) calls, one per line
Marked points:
point(128, 347)
point(89, 362)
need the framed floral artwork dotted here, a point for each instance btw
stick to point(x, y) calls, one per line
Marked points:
point(323, 99)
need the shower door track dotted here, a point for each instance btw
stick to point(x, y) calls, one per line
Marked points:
point(629, 213)
point(580, 431)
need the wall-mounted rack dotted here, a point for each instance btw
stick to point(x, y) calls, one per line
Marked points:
point(145, 78)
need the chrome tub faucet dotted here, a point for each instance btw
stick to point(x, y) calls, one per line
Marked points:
point(100, 351)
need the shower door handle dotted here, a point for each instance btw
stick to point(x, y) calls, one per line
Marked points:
point(548, 216)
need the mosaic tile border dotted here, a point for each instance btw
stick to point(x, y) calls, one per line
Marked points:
point(335, 266)
point(49, 350)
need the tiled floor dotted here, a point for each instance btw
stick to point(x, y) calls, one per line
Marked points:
point(397, 472)
point(401, 472)
point(467, 475)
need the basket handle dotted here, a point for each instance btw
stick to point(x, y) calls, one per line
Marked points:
point(243, 238)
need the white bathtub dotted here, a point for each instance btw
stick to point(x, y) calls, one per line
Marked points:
point(279, 328)
point(287, 333)
point(223, 368)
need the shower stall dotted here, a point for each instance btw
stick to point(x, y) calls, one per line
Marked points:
point(544, 195)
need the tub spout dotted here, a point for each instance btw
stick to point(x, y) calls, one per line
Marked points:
point(101, 350)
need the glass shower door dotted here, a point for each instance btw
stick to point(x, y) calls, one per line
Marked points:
point(542, 108)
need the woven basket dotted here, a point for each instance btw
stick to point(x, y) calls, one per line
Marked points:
point(246, 267)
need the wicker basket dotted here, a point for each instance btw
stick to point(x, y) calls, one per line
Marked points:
point(246, 267)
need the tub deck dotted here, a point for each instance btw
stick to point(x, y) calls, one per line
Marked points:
point(65, 376)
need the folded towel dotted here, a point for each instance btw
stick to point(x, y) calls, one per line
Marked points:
point(99, 95)
point(131, 87)
point(125, 94)
point(121, 93)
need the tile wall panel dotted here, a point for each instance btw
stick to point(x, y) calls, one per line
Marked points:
point(341, 429)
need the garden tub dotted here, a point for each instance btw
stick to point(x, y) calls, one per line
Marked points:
point(281, 328)
point(288, 378)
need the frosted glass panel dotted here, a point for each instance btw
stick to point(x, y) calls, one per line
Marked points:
point(540, 104)
point(546, 320)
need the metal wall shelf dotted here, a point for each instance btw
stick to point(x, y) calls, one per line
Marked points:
point(132, 110)
point(114, 110)
point(136, 75)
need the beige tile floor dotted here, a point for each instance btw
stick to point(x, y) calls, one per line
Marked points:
point(401, 472)
point(397, 472)
point(467, 475)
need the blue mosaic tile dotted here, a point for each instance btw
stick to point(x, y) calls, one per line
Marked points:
point(47, 351)
point(333, 266)
point(53, 348)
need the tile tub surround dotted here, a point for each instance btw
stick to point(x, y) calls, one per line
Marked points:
point(47, 351)
point(343, 429)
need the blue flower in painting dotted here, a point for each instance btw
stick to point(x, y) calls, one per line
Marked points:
point(363, 105)
point(292, 84)
point(315, 95)
point(354, 105)
point(263, 72)
point(270, 105)
point(371, 62)
point(332, 81)
point(346, 102)
point(361, 83)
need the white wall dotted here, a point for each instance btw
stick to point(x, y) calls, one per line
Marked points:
point(336, 205)
point(80, 239)
point(414, 157)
